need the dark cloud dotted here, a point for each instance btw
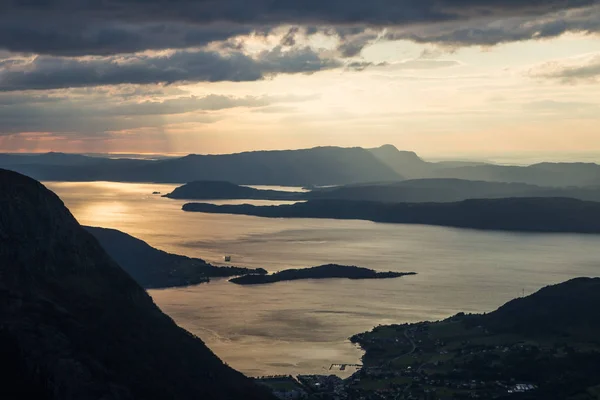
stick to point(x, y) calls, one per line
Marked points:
point(489, 31)
point(97, 27)
point(362, 65)
point(289, 39)
point(47, 72)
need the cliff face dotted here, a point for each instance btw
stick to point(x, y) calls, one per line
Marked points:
point(73, 325)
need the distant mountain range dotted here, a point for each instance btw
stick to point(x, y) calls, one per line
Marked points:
point(509, 214)
point(543, 174)
point(75, 326)
point(320, 166)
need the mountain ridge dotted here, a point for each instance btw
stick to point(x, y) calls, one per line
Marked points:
point(80, 326)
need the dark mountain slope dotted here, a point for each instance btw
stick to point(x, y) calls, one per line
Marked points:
point(153, 268)
point(570, 308)
point(78, 327)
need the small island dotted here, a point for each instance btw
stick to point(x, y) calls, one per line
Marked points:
point(321, 272)
point(219, 190)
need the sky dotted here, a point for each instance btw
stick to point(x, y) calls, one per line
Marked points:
point(503, 80)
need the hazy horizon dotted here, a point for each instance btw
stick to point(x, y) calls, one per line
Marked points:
point(521, 159)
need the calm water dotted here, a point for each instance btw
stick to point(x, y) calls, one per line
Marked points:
point(302, 327)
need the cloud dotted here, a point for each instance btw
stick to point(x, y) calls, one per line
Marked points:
point(417, 64)
point(75, 28)
point(585, 69)
point(98, 112)
point(491, 31)
point(47, 72)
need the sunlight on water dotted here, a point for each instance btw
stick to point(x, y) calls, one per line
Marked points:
point(302, 327)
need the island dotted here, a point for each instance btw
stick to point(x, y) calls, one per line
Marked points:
point(321, 272)
point(219, 190)
point(508, 214)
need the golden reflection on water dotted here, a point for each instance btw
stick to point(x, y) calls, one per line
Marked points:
point(109, 213)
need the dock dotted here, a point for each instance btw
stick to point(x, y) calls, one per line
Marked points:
point(342, 367)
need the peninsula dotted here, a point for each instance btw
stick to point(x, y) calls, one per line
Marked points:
point(509, 214)
point(408, 191)
point(152, 268)
point(543, 346)
point(322, 272)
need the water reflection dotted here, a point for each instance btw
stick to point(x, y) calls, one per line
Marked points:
point(302, 327)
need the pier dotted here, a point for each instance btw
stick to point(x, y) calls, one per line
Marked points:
point(342, 367)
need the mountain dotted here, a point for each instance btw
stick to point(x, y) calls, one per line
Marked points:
point(317, 166)
point(557, 310)
point(545, 174)
point(409, 165)
point(51, 158)
point(405, 163)
point(510, 214)
point(153, 268)
point(447, 190)
point(320, 166)
point(75, 326)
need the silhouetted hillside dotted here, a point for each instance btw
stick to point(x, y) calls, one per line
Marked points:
point(405, 163)
point(514, 214)
point(448, 190)
point(75, 326)
point(317, 166)
point(153, 268)
point(567, 309)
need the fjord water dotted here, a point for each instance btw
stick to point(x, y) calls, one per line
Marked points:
point(302, 327)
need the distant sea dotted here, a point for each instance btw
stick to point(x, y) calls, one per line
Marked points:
point(303, 326)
